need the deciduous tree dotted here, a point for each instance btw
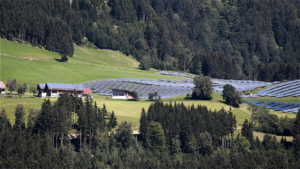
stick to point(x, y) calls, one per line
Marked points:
point(203, 88)
point(11, 84)
point(231, 95)
point(33, 90)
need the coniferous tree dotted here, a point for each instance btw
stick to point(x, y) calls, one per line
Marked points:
point(157, 137)
point(112, 121)
point(32, 118)
point(296, 141)
point(45, 119)
point(205, 144)
point(247, 131)
point(143, 126)
point(90, 113)
point(103, 110)
point(100, 120)
point(20, 118)
point(82, 121)
point(4, 121)
point(124, 134)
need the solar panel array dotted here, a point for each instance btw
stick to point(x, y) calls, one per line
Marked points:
point(176, 74)
point(279, 106)
point(291, 88)
point(240, 85)
point(165, 88)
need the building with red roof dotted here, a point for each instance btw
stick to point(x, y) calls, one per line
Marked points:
point(87, 93)
point(2, 88)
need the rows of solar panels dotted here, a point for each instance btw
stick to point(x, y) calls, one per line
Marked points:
point(164, 88)
point(176, 74)
point(279, 106)
point(240, 85)
point(291, 88)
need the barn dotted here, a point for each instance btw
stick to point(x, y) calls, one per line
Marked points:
point(121, 94)
point(2, 88)
point(87, 93)
point(56, 89)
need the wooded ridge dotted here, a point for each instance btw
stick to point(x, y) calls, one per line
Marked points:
point(221, 38)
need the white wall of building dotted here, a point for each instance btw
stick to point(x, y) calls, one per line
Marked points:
point(119, 97)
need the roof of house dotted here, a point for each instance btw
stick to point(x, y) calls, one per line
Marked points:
point(42, 85)
point(87, 91)
point(2, 85)
point(61, 86)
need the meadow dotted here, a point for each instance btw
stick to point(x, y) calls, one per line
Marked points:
point(33, 65)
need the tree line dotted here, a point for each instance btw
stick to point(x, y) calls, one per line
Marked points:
point(172, 135)
point(222, 39)
point(265, 122)
point(183, 125)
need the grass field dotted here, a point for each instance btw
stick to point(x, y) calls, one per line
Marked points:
point(129, 111)
point(32, 65)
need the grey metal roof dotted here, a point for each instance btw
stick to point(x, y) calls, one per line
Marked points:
point(42, 85)
point(65, 86)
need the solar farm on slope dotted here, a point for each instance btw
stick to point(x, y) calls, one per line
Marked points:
point(165, 88)
point(279, 106)
point(291, 88)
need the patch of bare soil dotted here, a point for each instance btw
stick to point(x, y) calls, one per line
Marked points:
point(30, 58)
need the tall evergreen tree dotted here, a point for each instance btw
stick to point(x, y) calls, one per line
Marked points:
point(45, 121)
point(112, 121)
point(247, 131)
point(20, 118)
point(143, 126)
point(157, 137)
point(32, 118)
point(4, 121)
point(296, 141)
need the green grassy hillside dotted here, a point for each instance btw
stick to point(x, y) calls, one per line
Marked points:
point(33, 65)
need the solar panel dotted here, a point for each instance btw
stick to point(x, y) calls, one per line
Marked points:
point(123, 85)
point(134, 88)
point(129, 86)
point(140, 88)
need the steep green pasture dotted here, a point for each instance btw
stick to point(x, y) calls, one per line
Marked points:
point(33, 65)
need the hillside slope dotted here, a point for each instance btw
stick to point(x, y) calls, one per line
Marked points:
point(32, 65)
point(255, 39)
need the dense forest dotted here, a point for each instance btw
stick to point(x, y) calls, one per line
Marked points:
point(172, 136)
point(232, 39)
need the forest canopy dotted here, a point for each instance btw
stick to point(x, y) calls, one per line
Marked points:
point(230, 39)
